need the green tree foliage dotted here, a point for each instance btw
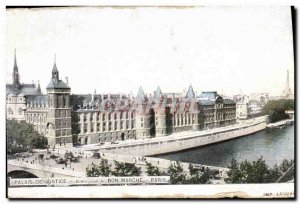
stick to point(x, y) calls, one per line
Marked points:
point(126, 169)
point(153, 170)
point(176, 173)
point(276, 109)
point(22, 137)
point(199, 175)
point(104, 169)
point(256, 171)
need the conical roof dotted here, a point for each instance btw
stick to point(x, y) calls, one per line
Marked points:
point(190, 93)
point(141, 94)
point(158, 93)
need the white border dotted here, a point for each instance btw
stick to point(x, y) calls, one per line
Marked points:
point(296, 3)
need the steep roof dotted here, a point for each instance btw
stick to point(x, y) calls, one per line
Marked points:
point(25, 89)
point(37, 99)
point(209, 98)
point(228, 101)
point(57, 85)
point(211, 95)
point(158, 93)
point(141, 94)
point(190, 94)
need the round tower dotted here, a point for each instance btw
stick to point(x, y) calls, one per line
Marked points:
point(160, 114)
point(142, 116)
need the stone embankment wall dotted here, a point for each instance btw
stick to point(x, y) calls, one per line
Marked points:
point(175, 142)
point(162, 164)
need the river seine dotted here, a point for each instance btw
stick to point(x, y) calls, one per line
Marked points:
point(273, 145)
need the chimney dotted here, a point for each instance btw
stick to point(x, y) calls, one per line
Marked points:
point(66, 79)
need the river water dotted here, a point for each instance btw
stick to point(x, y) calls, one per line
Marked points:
point(273, 144)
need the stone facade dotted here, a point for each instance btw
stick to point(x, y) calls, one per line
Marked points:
point(99, 118)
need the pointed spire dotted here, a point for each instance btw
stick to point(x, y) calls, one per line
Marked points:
point(55, 73)
point(15, 75)
point(15, 63)
point(158, 93)
point(141, 94)
point(38, 90)
point(54, 65)
point(190, 93)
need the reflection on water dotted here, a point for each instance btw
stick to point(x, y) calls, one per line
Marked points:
point(273, 144)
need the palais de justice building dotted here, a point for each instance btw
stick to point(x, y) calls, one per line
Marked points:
point(97, 118)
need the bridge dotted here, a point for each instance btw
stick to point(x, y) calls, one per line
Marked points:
point(22, 169)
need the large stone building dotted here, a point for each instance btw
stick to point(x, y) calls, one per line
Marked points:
point(99, 118)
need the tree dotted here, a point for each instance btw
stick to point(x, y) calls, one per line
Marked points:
point(104, 169)
point(39, 142)
point(276, 109)
point(22, 137)
point(257, 171)
point(177, 176)
point(198, 176)
point(153, 170)
point(93, 170)
point(234, 174)
point(126, 169)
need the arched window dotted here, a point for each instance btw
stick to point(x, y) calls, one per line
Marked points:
point(103, 117)
point(109, 116)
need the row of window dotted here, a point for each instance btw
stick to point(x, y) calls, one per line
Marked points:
point(108, 116)
point(107, 127)
point(61, 101)
point(36, 118)
point(63, 113)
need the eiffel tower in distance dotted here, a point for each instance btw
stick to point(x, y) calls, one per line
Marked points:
point(287, 93)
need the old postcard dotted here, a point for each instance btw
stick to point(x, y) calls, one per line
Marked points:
point(150, 102)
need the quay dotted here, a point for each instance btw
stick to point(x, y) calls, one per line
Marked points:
point(181, 141)
point(281, 123)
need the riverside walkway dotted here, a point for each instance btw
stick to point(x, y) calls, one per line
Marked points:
point(176, 136)
point(162, 164)
point(281, 123)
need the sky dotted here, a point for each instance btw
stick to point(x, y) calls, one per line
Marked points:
point(231, 50)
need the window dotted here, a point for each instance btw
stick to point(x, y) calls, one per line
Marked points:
point(66, 123)
point(103, 127)
point(60, 123)
point(142, 124)
point(109, 126)
point(51, 102)
point(142, 119)
point(65, 101)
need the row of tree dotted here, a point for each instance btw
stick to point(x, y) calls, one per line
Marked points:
point(244, 172)
point(276, 109)
point(105, 169)
point(175, 171)
point(22, 137)
point(258, 171)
